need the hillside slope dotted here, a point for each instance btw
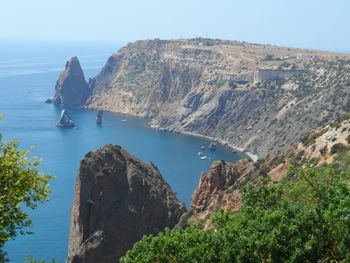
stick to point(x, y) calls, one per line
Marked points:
point(221, 186)
point(257, 97)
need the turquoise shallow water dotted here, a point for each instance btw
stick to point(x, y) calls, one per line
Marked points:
point(27, 78)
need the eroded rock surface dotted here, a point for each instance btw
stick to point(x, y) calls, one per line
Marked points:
point(234, 92)
point(65, 120)
point(217, 189)
point(117, 200)
point(71, 87)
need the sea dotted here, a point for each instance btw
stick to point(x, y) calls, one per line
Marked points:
point(28, 73)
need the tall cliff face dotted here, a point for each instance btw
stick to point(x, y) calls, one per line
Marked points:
point(71, 87)
point(117, 200)
point(220, 188)
point(232, 91)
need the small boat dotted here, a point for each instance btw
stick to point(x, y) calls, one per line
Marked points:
point(200, 153)
point(202, 148)
point(204, 157)
point(123, 120)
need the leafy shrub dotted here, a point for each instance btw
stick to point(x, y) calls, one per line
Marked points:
point(217, 82)
point(22, 186)
point(232, 84)
point(338, 147)
point(269, 57)
point(302, 220)
point(324, 150)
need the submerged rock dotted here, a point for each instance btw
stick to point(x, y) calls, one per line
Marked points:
point(71, 87)
point(65, 120)
point(118, 199)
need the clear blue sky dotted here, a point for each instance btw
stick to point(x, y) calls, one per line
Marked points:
point(321, 24)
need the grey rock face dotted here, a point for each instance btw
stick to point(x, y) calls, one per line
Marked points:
point(99, 117)
point(226, 90)
point(71, 87)
point(117, 200)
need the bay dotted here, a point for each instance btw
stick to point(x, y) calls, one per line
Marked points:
point(27, 77)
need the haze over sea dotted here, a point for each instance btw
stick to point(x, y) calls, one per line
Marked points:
point(28, 73)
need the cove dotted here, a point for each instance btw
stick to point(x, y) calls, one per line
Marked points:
point(24, 85)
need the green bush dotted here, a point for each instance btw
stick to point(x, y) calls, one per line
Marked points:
point(324, 150)
point(302, 220)
point(338, 147)
point(232, 84)
point(22, 186)
point(269, 57)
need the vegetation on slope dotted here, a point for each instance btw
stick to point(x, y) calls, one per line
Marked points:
point(303, 218)
point(22, 186)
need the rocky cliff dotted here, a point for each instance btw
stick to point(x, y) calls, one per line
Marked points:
point(221, 186)
point(260, 98)
point(257, 97)
point(71, 87)
point(117, 200)
point(219, 189)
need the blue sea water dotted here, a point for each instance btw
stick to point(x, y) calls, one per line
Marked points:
point(28, 72)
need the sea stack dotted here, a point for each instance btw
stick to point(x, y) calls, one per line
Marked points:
point(71, 87)
point(65, 120)
point(118, 199)
point(99, 117)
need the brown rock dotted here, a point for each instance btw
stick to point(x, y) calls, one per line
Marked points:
point(218, 189)
point(71, 87)
point(117, 200)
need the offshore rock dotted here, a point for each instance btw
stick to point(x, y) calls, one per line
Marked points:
point(117, 200)
point(71, 87)
point(99, 117)
point(65, 120)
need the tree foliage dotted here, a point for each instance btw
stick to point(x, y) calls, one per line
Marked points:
point(22, 187)
point(305, 218)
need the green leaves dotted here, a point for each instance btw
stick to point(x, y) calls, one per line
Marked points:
point(305, 218)
point(21, 185)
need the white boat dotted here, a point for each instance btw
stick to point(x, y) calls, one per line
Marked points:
point(204, 157)
point(124, 120)
point(200, 153)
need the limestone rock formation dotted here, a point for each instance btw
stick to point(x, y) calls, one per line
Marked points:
point(71, 87)
point(218, 189)
point(221, 187)
point(65, 120)
point(226, 90)
point(117, 200)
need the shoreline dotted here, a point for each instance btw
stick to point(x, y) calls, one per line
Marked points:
point(252, 156)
